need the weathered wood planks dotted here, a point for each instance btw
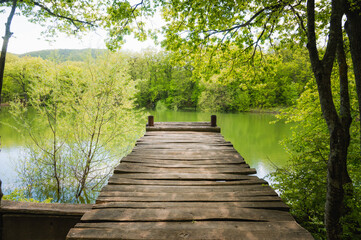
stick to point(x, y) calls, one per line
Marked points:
point(183, 126)
point(184, 181)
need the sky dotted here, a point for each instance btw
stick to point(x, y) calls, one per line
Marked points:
point(27, 38)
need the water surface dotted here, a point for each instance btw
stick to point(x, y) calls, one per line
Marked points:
point(251, 134)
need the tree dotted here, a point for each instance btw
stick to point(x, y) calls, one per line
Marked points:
point(162, 79)
point(200, 26)
point(69, 16)
point(85, 122)
point(5, 44)
point(352, 9)
point(304, 187)
point(20, 73)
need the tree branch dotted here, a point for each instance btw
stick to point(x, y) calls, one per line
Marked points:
point(73, 21)
point(300, 20)
point(311, 34)
point(236, 27)
point(132, 13)
point(4, 48)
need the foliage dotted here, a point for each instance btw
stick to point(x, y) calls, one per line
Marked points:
point(19, 75)
point(84, 111)
point(19, 196)
point(67, 16)
point(161, 78)
point(161, 106)
point(302, 184)
point(63, 55)
point(275, 80)
point(217, 97)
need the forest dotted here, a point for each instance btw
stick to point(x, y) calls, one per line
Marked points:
point(300, 59)
point(270, 83)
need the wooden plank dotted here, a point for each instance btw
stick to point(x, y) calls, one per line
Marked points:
point(167, 155)
point(184, 164)
point(182, 198)
point(181, 176)
point(180, 138)
point(276, 205)
point(189, 214)
point(189, 163)
point(63, 209)
point(149, 140)
point(147, 170)
point(184, 123)
point(231, 152)
point(249, 181)
point(187, 189)
point(183, 142)
point(159, 234)
point(180, 166)
point(201, 170)
point(185, 128)
point(182, 132)
point(254, 196)
point(226, 225)
point(184, 147)
point(188, 196)
point(175, 145)
point(205, 155)
point(215, 159)
point(191, 230)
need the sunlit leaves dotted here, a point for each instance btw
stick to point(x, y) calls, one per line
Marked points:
point(85, 122)
point(302, 184)
point(68, 16)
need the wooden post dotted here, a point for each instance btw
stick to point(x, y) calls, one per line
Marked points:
point(150, 121)
point(213, 121)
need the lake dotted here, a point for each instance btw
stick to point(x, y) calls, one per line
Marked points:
point(251, 134)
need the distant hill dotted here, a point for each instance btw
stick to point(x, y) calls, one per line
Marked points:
point(66, 54)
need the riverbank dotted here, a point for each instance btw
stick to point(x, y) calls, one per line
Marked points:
point(275, 110)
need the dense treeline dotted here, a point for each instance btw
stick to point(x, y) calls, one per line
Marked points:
point(66, 54)
point(274, 80)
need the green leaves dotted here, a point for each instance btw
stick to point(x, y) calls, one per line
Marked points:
point(84, 122)
point(302, 184)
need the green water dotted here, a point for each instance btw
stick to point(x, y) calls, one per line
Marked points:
point(251, 134)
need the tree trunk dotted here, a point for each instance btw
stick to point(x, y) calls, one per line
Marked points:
point(1, 193)
point(5, 45)
point(353, 29)
point(1, 217)
point(338, 126)
point(337, 177)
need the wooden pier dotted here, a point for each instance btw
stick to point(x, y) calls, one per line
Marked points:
point(184, 181)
